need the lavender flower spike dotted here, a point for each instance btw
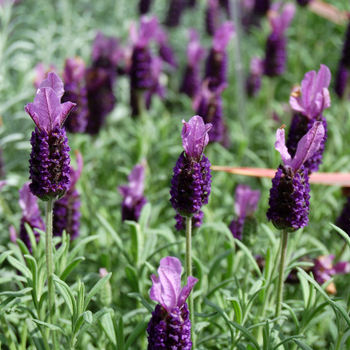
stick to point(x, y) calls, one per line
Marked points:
point(170, 326)
point(190, 185)
point(289, 195)
point(280, 17)
point(309, 102)
point(49, 159)
point(246, 201)
point(30, 215)
point(254, 79)
point(134, 199)
point(165, 51)
point(216, 64)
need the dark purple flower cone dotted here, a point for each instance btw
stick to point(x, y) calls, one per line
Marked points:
point(212, 19)
point(289, 199)
point(140, 71)
point(236, 227)
point(66, 215)
point(191, 3)
point(343, 220)
point(253, 85)
point(197, 220)
point(190, 185)
point(133, 211)
point(212, 112)
point(275, 55)
point(2, 165)
point(167, 54)
point(300, 125)
point(49, 164)
point(175, 10)
point(303, 2)
point(216, 69)
point(35, 222)
point(77, 119)
point(144, 6)
point(225, 4)
point(101, 100)
point(191, 81)
point(346, 49)
point(261, 7)
point(169, 331)
point(341, 80)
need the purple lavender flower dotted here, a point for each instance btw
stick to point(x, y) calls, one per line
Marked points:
point(195, 53)
point(190, 185)
point(30, 215)
point(134, 199)
point(289, 195)
point(261, 7)
point(144, 6)
point(225, 4)
point(208, 104)
point(345, 60)
point(343, 220)
point(165, 51)
point(49, 159)
point(303, 2)
point(41, 73)
point(212, 16)
point(75, 91)
point(197, 220)
point(323, 270)
point(275, 52)
point(246, 201)
point(309, 102)
point(254, 79)
point(170, 326)
point(216, 64)
point(175, 10)
point(157, 87)
point(2, 164)
point(341, 80)
point(66, 213)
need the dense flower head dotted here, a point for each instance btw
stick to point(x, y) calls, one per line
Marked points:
point(175, 10)
point(165, 50)
point(343, 220)
point(289, 195)
point(345, 60)
point(261, 7)
point(212, 16)
point(66, 212)
point(134, 199)
point(105, 51)
point(197, 220)
point(147, 31)
point(144, 6)
point(341, 80)
point(30, 215)
point(313, 97)
point(75, 91)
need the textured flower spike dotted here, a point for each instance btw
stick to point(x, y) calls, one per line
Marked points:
point(190, 185)
point(289, 195)
point(280, 17)
point(212, 16)
point(309, 102)
point(165, 51)
point(66, 212)
point(254, 79)
point(170, 326)
point(49, 159)
point(195, 53)
point(105, 51)
point(30, 215)
point(216, 64)
point(261, 7)
point(175, 10)
point(134, 199)
point(144, 6)
point(75, 91)
point(345, 60)
point(341, 80)
point(246, 201)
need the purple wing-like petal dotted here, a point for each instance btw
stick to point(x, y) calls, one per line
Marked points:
point(246, 200)
point(280, 146)
point(308, 145)
point(55, 83)
point(323, 78)
point(156, 290)
point(341, 267)
point(13, 234)
point(66, 109)
point(30, 110)
point(307, 87)
point(136, 180)
point(28, 202)
point(223, 35)
point(170, 279)
point(186, 290)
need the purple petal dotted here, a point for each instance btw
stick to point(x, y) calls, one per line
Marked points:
point(342, 267)
point(323, 78)
point(66, 109)
point(246, 200)
point(308, 145)
point(280, 146)
point(186, 290)
point(30, 110)
point(307, 85)
point(280, 17)
point(148, 30)
point(136, 180)
point(13, 234)
point(2, 184)
point(170, 279)
point(55, 83)
point(76, 173)
point(74, 70)
point(222, 36)
point(156, 290)
point(28, 202)
point(296, 101)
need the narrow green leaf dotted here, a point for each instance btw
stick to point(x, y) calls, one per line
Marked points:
point(106, 323)
point(31, 236)
point(87, 316)
point(19, 266)
point(119, 328)
point(59, 252)
point(80, 246)
point(237, 308)
point(95, 289)
point(294, 316)
point(139, 328)
point(301, 345)
point(146, 304)
point(342, 233)
point(286, 340)
point(217, 262)
point(247, 334)
point(67, 295)
point(249, 256)
point(71, 266)
point(22, 246)
point(4, 255)
point(132, 276)
point(50, 326)
point(19, 293)
point(145, 216)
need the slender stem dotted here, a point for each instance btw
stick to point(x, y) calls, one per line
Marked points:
point(284, 242)
point(50, 269)
point(340, 337)
point(189, 273)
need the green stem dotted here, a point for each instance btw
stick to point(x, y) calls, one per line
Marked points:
point(50, 269)
point(189, 273)
point(284, 242)
point(337, 346)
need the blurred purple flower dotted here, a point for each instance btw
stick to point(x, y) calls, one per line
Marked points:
point(345, 59)
point(165, 51)
point(216, 63)
point(49, 159)
point(134, 199)
point(75, 91)
point(195, 53)
point(175, 10)
point(261, 7)
point(170, 326)
point(280, 17)
point(30, 215)
point(212, 16)
point(309, 102)
point(144, 6)
point(341, 80)
point(303, 2)
point(41, 73)
point(105, 52)
point(289, 195)
point(157, 87)
point(254, 79)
